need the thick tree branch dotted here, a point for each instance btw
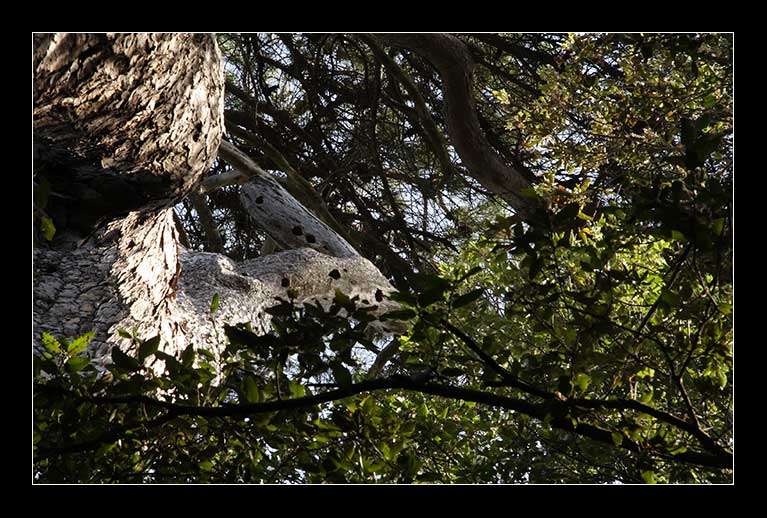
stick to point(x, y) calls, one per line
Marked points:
point(233, 177)
point(452, 59)
point(506, 376)
point(294, 183)
point(288, 222)
point(433, 135)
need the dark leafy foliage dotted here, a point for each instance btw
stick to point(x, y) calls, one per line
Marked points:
point(594, 346)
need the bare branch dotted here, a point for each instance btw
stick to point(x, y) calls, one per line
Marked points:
point(280, 215)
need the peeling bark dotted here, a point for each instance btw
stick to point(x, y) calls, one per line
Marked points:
point(452, 59)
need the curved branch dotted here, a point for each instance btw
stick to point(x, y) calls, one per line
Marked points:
point(718, 460)
point(433, 135)
point(451, 58)
point(617, 404)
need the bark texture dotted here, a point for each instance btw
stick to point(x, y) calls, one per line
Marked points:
point(125, 122)
point(452, 59)
point(124, 127)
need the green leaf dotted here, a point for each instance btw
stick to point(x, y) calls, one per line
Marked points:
point(427, 281)
point(717, 226)
point(468, 298)
point(47, 227)
point(568, 213)
point(649, 477)
point(214, 303)
point(647, 396)
point(124, 333)
point(342, 299)
point(240, 337)
point(104, 449)
point(678, 236)
point(343, 464)
point(79, 344)
point(250, 389)
point(677, 450)
point(204, 353)
point(148, 348)
point(341, 374)
point(582, 381)
point(123, 361)
point(432, 295)
point(282, 309)
point(406, 299)
point(535, 266)
point(670, 298)
point(51, 344)
point(40, 194)
point(187, 357)
point(617, 438)
point(77, 363)
point(471, 272)
point(296, 390)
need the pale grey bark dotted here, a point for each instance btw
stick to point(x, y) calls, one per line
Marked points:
point(132, 123)
point(279, 214)
point(133, 275)
point(232, 177)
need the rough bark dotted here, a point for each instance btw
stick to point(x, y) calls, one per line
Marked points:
point(126, 125)
point(124, 122)
point(452, 59)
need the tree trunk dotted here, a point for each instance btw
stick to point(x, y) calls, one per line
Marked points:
point(124, 127)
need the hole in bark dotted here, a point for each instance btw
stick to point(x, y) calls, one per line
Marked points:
point(379, 295)
point(260, 199)
point(310, 238)
point(297, 231)
point(335, 274)
point(285, 283)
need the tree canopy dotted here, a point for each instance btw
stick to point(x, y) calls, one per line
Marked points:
point(555, 213)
